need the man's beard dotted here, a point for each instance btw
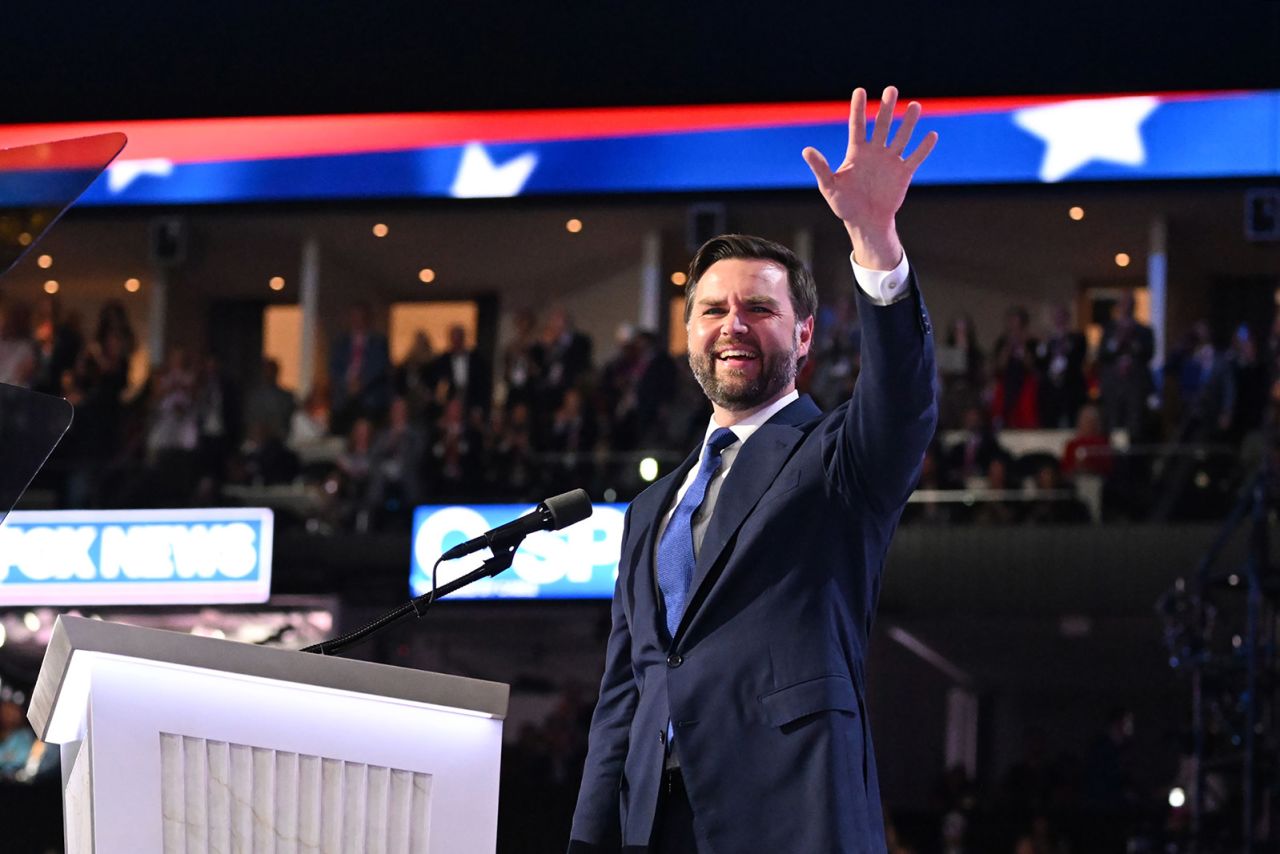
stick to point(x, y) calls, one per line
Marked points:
point(728, 389)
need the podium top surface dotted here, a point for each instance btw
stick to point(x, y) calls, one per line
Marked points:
point(78, 636)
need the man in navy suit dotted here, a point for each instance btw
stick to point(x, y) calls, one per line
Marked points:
point(732, 712)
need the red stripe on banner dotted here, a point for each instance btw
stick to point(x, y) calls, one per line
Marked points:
point(205, 140)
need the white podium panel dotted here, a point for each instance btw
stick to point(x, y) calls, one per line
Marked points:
point(174, 753)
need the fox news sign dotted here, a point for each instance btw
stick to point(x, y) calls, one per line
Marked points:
point(136, 557)
point(580, 562)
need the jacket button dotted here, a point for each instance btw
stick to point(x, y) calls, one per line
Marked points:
point(674, 660)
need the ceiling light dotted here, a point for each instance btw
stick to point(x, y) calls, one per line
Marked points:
point(51, 286)
point(24, 239)
point(426, 274)
point(679, 278)
point(276, 283)
point(132, 285)
point(45, 261)
point(380, 230)
point(1076, 213)
point(573, 226)
point(1122, 259)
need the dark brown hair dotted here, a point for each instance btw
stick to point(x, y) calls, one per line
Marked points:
point(804, 291)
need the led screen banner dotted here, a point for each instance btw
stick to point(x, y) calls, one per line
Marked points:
point(1007, 140)
point(580, 562)
point(136, 557)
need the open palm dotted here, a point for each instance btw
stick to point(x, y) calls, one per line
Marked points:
point(868, 188)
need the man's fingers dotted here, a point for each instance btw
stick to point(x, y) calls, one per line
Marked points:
point(857, 119)
point(903, 135)
point(884, 118)
point(818, 165)
point(922, 150)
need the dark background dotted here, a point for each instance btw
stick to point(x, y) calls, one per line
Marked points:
point(152, 59)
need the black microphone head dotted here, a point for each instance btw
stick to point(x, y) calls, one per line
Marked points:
point(566, 509)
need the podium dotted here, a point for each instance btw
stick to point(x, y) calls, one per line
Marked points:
point(176, 743)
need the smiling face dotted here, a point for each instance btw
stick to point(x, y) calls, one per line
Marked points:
point(745, 341)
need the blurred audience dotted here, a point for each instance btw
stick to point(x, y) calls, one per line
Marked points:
point(559, 422)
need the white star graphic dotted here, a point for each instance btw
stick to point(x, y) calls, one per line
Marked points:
point(1078, 132)
point(479, 177)
point(122, 173)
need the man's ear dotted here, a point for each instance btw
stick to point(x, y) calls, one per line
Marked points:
point(804, 330)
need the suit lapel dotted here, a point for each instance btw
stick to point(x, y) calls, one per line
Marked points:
point(753, 472)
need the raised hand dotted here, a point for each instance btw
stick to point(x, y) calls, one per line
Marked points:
point(868, 188)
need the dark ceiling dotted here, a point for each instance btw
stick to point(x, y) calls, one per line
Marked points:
point(150, 59)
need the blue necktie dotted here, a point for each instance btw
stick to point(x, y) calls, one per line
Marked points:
point(676, 559)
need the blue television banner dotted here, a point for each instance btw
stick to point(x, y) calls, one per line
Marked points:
point(1008, 140)
point(136, 557)
point(580, 562)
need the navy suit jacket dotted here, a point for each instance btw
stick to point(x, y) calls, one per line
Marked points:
point(764, 681)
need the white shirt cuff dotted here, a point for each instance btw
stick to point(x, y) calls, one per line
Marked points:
point(882, 287)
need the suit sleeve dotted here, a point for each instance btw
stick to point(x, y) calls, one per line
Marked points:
point(877, 446)
point(596, 816)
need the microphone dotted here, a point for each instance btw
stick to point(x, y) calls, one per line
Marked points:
point(553, 514)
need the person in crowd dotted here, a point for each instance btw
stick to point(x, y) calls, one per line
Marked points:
point(218, 417)
point(18, 358)
point(1206, 381)
point(349, 483)
point(522, 360)
point(268, 403)
point(59, 340)
point(573, 438)
point(175, 424)
point(997, 509)
point(455, 462)
point(566, 357)
point(22, 755)
point(95, 386)
point(619, 379)
point(414, 379)
point(512, 470)
point(1015, 401)
point(836, 352)
point(1089, 450)
point(962, 368)
point(654, 387)
point(395, 469)
point(1061, 388)
point(729, 713)
point(461, 373)
point(972, 457)
point(1124, 359)
point(359, 371)
point(1251, 381)
point(1052, 502)
point(265, 460)
point(113, 347)
point(310, 421)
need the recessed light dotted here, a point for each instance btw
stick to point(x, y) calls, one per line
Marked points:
point(51, 286)
point(1076, 213)
point(1122, 259)
point(679, 278)
point(45, 261)
point(276, 283)
point(380, 230)
point(132, 285)
point(573, 226)
point(426, 274)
